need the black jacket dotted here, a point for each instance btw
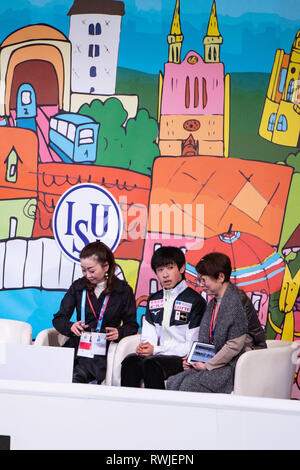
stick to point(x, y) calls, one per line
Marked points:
point(120, 311)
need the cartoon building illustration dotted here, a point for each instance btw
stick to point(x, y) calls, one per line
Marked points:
point(213, 38)
point(194, 100)
point(94, 34)
point(18, 182)
point(38, 55)
point(35, 81)
point(175, 37)
point(280, 122)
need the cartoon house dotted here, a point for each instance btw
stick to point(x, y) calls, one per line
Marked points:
point(94, 34)
point(18, 182)
point(194, 96)
point(280, 122)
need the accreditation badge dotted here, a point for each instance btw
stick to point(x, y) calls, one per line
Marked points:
point(85, 345)
point(99, 344)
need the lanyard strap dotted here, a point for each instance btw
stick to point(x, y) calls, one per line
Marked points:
point(83, 300)
point(213, 321)
point(103, 308)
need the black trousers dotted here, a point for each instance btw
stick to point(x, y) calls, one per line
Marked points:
point(154, 370)
point(88, 369)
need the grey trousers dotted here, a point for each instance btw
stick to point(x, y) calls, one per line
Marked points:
point(218, 380)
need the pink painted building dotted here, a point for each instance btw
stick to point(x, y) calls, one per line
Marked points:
point(193, 88)
point(194, 110)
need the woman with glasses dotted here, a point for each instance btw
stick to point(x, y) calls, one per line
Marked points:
point(229, 326)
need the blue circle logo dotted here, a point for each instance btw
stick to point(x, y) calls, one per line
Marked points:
point(83, 214)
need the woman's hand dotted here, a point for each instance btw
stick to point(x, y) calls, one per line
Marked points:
point(185, 364)
point(112, 334)
point(78, 327)
point(199, 365)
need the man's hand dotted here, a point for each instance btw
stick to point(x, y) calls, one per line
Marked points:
point(185, 364)
point(145, 349)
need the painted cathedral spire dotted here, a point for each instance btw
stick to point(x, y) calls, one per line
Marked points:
point(213, 38)
point(175, 38)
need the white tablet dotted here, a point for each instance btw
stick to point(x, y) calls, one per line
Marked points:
point(201, 352)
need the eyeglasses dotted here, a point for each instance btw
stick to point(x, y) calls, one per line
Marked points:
point(201, 280)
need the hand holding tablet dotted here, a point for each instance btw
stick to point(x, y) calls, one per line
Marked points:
point(201, 352)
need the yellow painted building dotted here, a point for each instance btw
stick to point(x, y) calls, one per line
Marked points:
point(280, 122)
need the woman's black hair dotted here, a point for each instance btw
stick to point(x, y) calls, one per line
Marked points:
point(167, 255)
point(103, 255)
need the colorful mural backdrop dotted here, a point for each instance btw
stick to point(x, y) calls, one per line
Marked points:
point(185, 114)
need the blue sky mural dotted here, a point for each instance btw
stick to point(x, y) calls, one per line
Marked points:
point(252, 31)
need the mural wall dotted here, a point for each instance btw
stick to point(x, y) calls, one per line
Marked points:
point(186, 113)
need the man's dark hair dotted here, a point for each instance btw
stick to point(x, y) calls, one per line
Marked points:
point(213, 264)
point(167, 255)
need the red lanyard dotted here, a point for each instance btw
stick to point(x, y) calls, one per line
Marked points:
point(103, 308)
point(213, 321)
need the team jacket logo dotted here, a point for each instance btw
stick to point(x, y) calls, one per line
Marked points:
point(154, 304)
point(83, 214)
point(182, 306)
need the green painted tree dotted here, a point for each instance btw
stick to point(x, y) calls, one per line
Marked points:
point(122, 144)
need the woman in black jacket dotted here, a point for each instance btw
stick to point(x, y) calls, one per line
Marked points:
point(106, 311)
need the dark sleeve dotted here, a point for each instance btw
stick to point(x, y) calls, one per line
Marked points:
point(197, 312)
point(129, 324)
point(255, 330)
point(61, 320)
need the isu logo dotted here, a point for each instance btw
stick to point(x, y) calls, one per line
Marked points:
point(83, 214)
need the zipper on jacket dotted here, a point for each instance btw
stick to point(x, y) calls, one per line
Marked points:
point(168, 315)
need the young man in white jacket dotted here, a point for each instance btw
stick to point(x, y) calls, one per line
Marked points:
point(170, 326)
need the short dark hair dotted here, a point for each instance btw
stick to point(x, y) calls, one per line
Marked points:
point(167, 255)
point(213, 264)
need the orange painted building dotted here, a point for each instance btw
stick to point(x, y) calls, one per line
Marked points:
point(18, 181)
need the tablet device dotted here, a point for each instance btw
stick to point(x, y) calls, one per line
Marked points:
point(201, 352)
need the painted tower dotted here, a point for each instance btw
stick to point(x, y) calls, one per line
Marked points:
point(175, 38)
point(95, 35)
point(194, 103)
point(213, 38)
